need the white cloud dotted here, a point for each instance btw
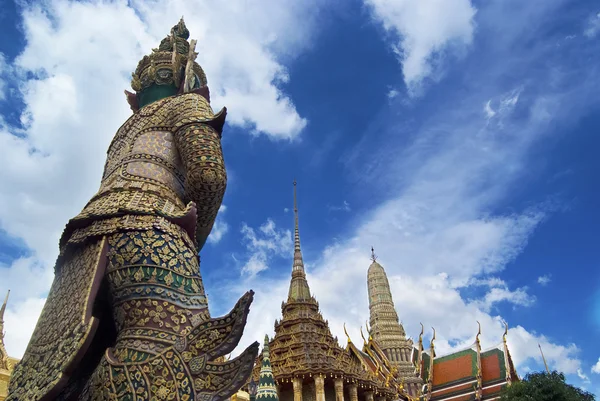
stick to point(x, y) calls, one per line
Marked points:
point(489, 112)
point(423, 31)
point(544, 280)
point(518, 297)
point(220, 227)
point(19, 321)
point(593, 26)
point(392, 93)
point(344, 207)
point(4, 70)
point(78, 59)
point(264, 243)
point(596, 367)
point(583, 376)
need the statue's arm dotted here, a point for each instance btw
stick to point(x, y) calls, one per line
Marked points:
point(199, 147)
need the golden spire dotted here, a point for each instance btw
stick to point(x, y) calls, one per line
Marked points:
point(299, 290)
point(2, 309)
point(544, 358)
point(298, 262)
point(507, 364)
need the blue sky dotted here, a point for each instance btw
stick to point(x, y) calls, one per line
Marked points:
point(457, 137)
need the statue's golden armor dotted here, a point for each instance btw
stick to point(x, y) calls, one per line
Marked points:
point(127, 316)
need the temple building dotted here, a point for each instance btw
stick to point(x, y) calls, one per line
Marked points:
point(7, 363)
point(307, 362)
point(386, 329)
point(467, 374)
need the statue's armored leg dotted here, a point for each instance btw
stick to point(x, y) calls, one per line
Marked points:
point(166, 341)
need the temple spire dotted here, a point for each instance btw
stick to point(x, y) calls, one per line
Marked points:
point(299, 290)
point(2, 309)
point(298, 262)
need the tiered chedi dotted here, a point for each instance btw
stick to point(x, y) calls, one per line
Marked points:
point(386, 329)
point(267, 390)
point(467, 374)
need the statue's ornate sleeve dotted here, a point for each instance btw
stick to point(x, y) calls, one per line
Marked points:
point(199, 146)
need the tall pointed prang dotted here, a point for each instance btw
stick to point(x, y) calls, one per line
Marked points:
point(299, 290)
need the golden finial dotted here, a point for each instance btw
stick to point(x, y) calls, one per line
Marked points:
point(3, 308)
point(362, 335)
point(505, 332)
point(544, 358)
point(421, 334)
point(368, 330)
point(479, 332)
point(433, 338)
point(346, 333)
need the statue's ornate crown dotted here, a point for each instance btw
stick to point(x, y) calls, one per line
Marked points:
point(173, 63)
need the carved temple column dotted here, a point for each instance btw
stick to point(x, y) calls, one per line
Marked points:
point(368, 396)
point(353, 391)
point(339, 389)
point(297, 383)
point(320, 388)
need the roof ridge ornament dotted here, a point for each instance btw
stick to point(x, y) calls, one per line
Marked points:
point(346, 333)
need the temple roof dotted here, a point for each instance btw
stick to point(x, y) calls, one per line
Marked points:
point(468, 373)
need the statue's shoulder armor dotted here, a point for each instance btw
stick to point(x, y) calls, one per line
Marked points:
point(166, 114)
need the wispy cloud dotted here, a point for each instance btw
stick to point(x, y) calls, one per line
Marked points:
point(344, 207)
point(422, 33)
point(262, 244)
point(583, 376)
point(544, 280)
point(4, 71)
point(593, 26)
point(220, 227)
point(596, 367)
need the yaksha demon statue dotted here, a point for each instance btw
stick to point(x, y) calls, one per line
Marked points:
point(127, 317)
